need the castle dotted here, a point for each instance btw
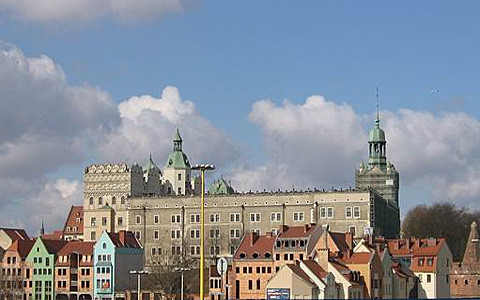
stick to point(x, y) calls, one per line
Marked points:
point(162, 209)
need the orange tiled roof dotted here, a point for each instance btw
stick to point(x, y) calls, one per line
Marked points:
point(253, 243)
point(359, 258)
point(74, 220)
point(15, 233)
point(416, 246)
point(55, 235)
point(79, 247)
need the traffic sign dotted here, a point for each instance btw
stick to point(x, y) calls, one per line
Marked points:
point(222, 266)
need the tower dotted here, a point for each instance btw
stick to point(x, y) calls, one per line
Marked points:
point(152, 178)
point(379, 174)
point(177, 170)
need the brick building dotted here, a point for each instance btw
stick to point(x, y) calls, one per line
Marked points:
point(465, 275)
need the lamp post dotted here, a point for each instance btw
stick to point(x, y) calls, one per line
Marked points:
point(181, 284)
point(139, 274)
point(202, 169)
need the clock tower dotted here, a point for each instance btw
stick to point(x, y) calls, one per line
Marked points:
point(379, 174)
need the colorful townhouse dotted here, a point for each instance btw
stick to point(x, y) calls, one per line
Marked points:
point(115, 255)
point(74, 271)
point(430, 259)
point(41, 259)
point(16, 276)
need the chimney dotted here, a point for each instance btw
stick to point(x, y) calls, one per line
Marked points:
point(349, 239)
point(254, 238)
point(121, 236)
point(322, 258)
point(306, 227)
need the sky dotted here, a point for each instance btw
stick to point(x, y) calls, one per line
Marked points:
point(276, 94)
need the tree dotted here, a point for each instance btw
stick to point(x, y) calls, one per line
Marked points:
point(441, 220)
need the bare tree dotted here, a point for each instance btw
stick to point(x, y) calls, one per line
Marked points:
point(441, 220)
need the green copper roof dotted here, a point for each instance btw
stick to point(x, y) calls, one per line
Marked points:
point(177, 160)
point(220, 187)
point(377, 134)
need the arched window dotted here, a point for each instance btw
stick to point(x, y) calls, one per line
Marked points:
point(104, 245)
point(258, 284)
point(122, 200)
point(100, 201)
point(242, 255)
point(255, 255)
point(114, 200)
point(91, 201)
point(268, 255)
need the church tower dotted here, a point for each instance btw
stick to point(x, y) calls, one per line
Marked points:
point(177, 170)
point(379, 174)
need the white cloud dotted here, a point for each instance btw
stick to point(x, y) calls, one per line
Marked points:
point(148, 125)
point(82, 11)
point(46, 125)
point(319, 143)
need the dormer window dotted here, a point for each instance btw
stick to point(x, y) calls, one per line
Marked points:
point(242, 255)
point(255, 255)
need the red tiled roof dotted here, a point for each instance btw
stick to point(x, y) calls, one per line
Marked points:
point(15, 233)
point(56, 235)
point(359, 258)
point(53, 246)
point(315, 268)
point(124, 239)
point(340, 240)
point(74, 220)
point(79, 247)
point(253, 243)
point(299, 272)
point(22, 247)
point(416, 246)
point(296, 231)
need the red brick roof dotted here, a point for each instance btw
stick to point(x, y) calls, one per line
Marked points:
point(124, 239)
point(15, 233)
point(79, 247)
point(296, 231)
point(74, 220)
point(253, 243)
point(22, 247)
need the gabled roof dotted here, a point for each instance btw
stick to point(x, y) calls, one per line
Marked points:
point(315, 268)
point(253, 243)
point(124, 239)
point(53, 246)
point(300, 273)
point(220, 186)
point(340, 241)
point(15, 233)
point(472, 250)
point(22, 247)
point(74, 219)
point(55, 235)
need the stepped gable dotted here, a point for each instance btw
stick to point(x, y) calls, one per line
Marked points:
point(253, 243)
point(15, 233)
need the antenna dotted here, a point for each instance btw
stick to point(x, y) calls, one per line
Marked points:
point(377, 115)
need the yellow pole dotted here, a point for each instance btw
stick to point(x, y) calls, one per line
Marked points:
point(202, 235)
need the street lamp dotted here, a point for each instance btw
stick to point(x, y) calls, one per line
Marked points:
point(202, 168)
point(181, 286)
point(139, 274)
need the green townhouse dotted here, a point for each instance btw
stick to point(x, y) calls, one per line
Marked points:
point(41, 260)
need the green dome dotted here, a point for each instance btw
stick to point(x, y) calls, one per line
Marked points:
point(377, 134)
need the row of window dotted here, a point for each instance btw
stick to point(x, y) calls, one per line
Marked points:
point(11, 260)
point(39, 260)
point(103, 270)
point(325, 212)
point(100, 200)
point(12, 271)
point(249, 270)
point(104, 257)
point(42, 271)
point(466, 282)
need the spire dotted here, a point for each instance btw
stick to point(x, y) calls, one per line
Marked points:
point(177, 141)
point(377, 115)
point(42, 230)
point(472, 251)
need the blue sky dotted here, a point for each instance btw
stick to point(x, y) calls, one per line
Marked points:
point(225, 56)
